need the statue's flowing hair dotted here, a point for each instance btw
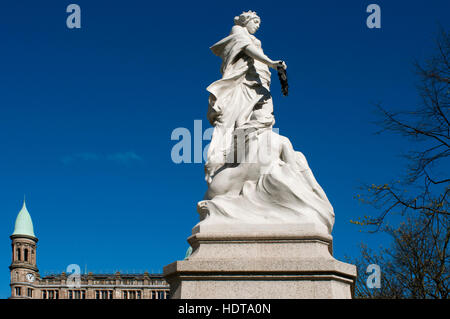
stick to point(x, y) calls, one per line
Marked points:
point(245, 17)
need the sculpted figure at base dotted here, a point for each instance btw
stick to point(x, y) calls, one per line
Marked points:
point(254, 175)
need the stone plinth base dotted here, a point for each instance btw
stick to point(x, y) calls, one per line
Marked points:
point(257, 262)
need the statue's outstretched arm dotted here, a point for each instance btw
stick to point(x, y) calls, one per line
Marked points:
point(257, 54)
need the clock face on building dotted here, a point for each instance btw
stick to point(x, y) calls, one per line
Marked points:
point(30, 277)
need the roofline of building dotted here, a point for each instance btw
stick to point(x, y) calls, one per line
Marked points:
point(110, 276)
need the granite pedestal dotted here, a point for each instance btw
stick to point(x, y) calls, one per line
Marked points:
point(260, 262)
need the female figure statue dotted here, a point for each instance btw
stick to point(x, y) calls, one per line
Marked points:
point(268, 182)
point(244, 87)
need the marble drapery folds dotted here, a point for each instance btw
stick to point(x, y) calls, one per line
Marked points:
point(280, 189)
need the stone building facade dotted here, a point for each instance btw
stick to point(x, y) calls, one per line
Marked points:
point(26, 282)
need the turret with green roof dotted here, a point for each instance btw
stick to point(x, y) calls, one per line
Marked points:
point(24, 271)
point(24, 224)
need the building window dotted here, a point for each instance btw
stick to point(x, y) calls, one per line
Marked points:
point(153, 294)
point(103, 294)
point(18, 291)
point(131, 294)
point(30, 292)
point(18, 254)
point(77, 294)
point(160, 294)
point(50, 294)
point(25, 254)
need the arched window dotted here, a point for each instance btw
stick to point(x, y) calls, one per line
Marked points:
point(18, 254)
point(25, 254)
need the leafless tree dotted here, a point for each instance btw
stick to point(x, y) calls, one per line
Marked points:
point(417, 263)
point(426, 187)
point(415, 266)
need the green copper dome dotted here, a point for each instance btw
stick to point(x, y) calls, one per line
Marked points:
point(24, 225)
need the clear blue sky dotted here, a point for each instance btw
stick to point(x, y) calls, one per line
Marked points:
point(86, 115)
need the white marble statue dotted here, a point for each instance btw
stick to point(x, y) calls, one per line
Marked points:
point(244, 85)
point(254, 175)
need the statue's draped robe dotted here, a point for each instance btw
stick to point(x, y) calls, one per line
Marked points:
point(244, 84)
point(285, 193)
